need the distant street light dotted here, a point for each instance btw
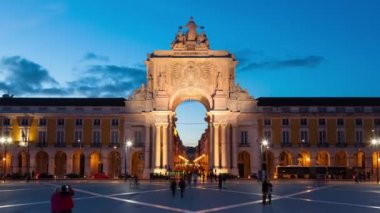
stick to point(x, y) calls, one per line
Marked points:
point(128, 144)
point(4, 141)
point(264, 144)
point(375, 142)
point(25, 143)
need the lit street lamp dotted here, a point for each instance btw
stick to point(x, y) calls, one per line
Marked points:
point(376, 142)
point(264, 144)
point(4, 141)
point(128, 144)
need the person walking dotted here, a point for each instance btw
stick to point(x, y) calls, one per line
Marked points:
point(264, 189)
point(56, 201)
point(173, 186)
point(182, 185)
point(67, 199)
point(270, 189)
point(220, 181)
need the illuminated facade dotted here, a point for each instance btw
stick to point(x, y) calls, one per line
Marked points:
point(88, 135)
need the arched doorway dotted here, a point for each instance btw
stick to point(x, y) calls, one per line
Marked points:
point(22, 162)
point(359, 160)
point(60, 164)
point(341, 158)
point(244, 164)
point(375, 162)
point(323, 159)
point(42, 162)
point(137, 164)
point(78, 163)
point(7, 163)
point(303, 158)
point(285, 159)
point(270, 162)
point(96, 165)
point(114, 163)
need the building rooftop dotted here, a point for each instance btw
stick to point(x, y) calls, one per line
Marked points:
point(318, 101)
point(115, 102)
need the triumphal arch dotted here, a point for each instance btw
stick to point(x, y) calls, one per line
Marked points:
point(192, 71)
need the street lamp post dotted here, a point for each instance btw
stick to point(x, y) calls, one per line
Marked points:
point(264, 143)
point(128, 144)
point(25, 143)
point(5, 141)
point(376, 142)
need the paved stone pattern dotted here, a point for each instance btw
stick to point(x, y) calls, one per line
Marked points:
point(236, 196)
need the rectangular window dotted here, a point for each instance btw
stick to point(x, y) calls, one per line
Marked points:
point(7, 122)
point(267, 122)
point(285, 137)
point(138, 137)
point(321, 122)
point(243, 137)
point(78, 136)
point(376, 121)
point(304, 135)
point(96, 137)
point(340, 122)
point(79, 122)
point(96, 122)
point(42, 137)
point(114, 137)
point(60, 137)
point(268, 135)
point(322, 136)
point(359, 136)
point(25, 122)
point(285, 122)
point(60, 122)
point(303, 122)
point(340, 136)
point(42, 122)
point(358, 122)
point(115, 122)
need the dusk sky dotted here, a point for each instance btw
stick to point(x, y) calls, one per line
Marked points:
point(97, 48)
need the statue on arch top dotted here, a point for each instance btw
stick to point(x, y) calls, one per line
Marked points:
point(191, 40)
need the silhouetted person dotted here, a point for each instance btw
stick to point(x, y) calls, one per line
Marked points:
point(264, 188)
point(56, 201)
point(220, 181)
point(173, 186)
point(182, 185)
point(67, 199)
point(270, 189)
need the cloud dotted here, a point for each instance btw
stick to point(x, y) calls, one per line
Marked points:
point(22, 76)
point(92, 56)
point(307, 62)
point(108, 81)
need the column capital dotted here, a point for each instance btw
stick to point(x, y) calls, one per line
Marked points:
point(215, 125)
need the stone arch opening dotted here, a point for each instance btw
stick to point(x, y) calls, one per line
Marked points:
point(190, 94)
point(60, 164)
point(22, 166)
point(114, 164)
point(42, 162)
point(96, 165)
point(137, 164)
point(359, 160)
point(285, 158)
point(323, 158)
point(244, 164)
point(79, 163)
point(341, 158)
point(303, 158)
point(375, 162)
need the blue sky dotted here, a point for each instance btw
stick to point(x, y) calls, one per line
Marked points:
point(97, 48)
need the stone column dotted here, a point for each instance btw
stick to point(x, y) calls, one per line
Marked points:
point(146, 148)
point(234, 146)
point(157, 153)
point(51, 166)
point(69, 162)
point(216, 146)
point(164, 145)
point(223, 141)
point(211, 146)
point(170, 145)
